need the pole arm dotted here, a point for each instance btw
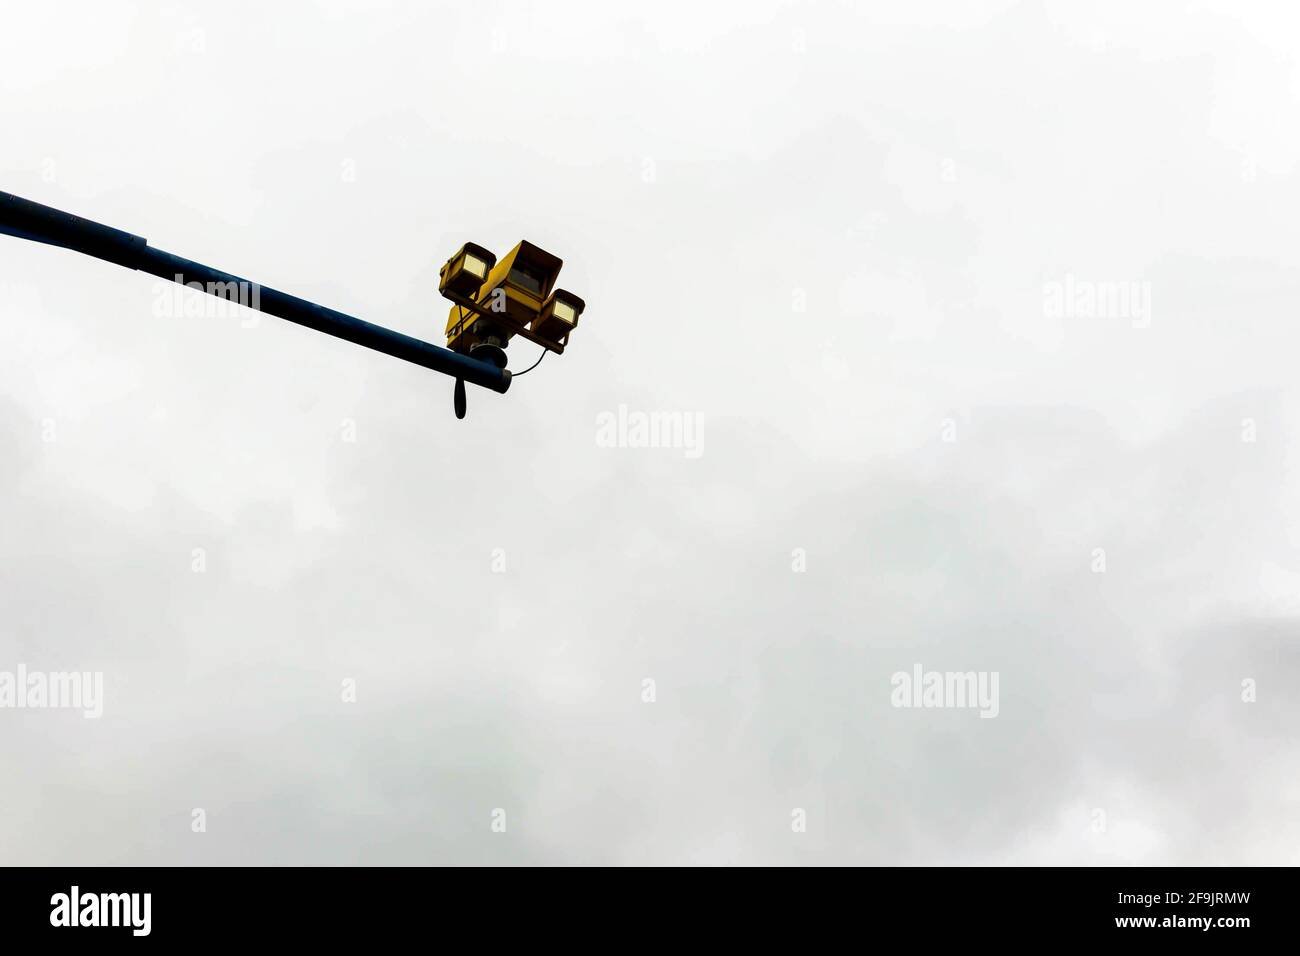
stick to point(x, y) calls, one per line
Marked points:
point(28, 220)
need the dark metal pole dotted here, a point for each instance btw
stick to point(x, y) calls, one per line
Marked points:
point(28, 220)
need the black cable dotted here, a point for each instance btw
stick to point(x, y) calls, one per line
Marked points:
point(531, 367)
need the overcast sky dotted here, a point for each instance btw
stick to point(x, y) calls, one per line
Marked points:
point(852, 245)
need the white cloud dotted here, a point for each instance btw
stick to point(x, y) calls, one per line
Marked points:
point(799, 155)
